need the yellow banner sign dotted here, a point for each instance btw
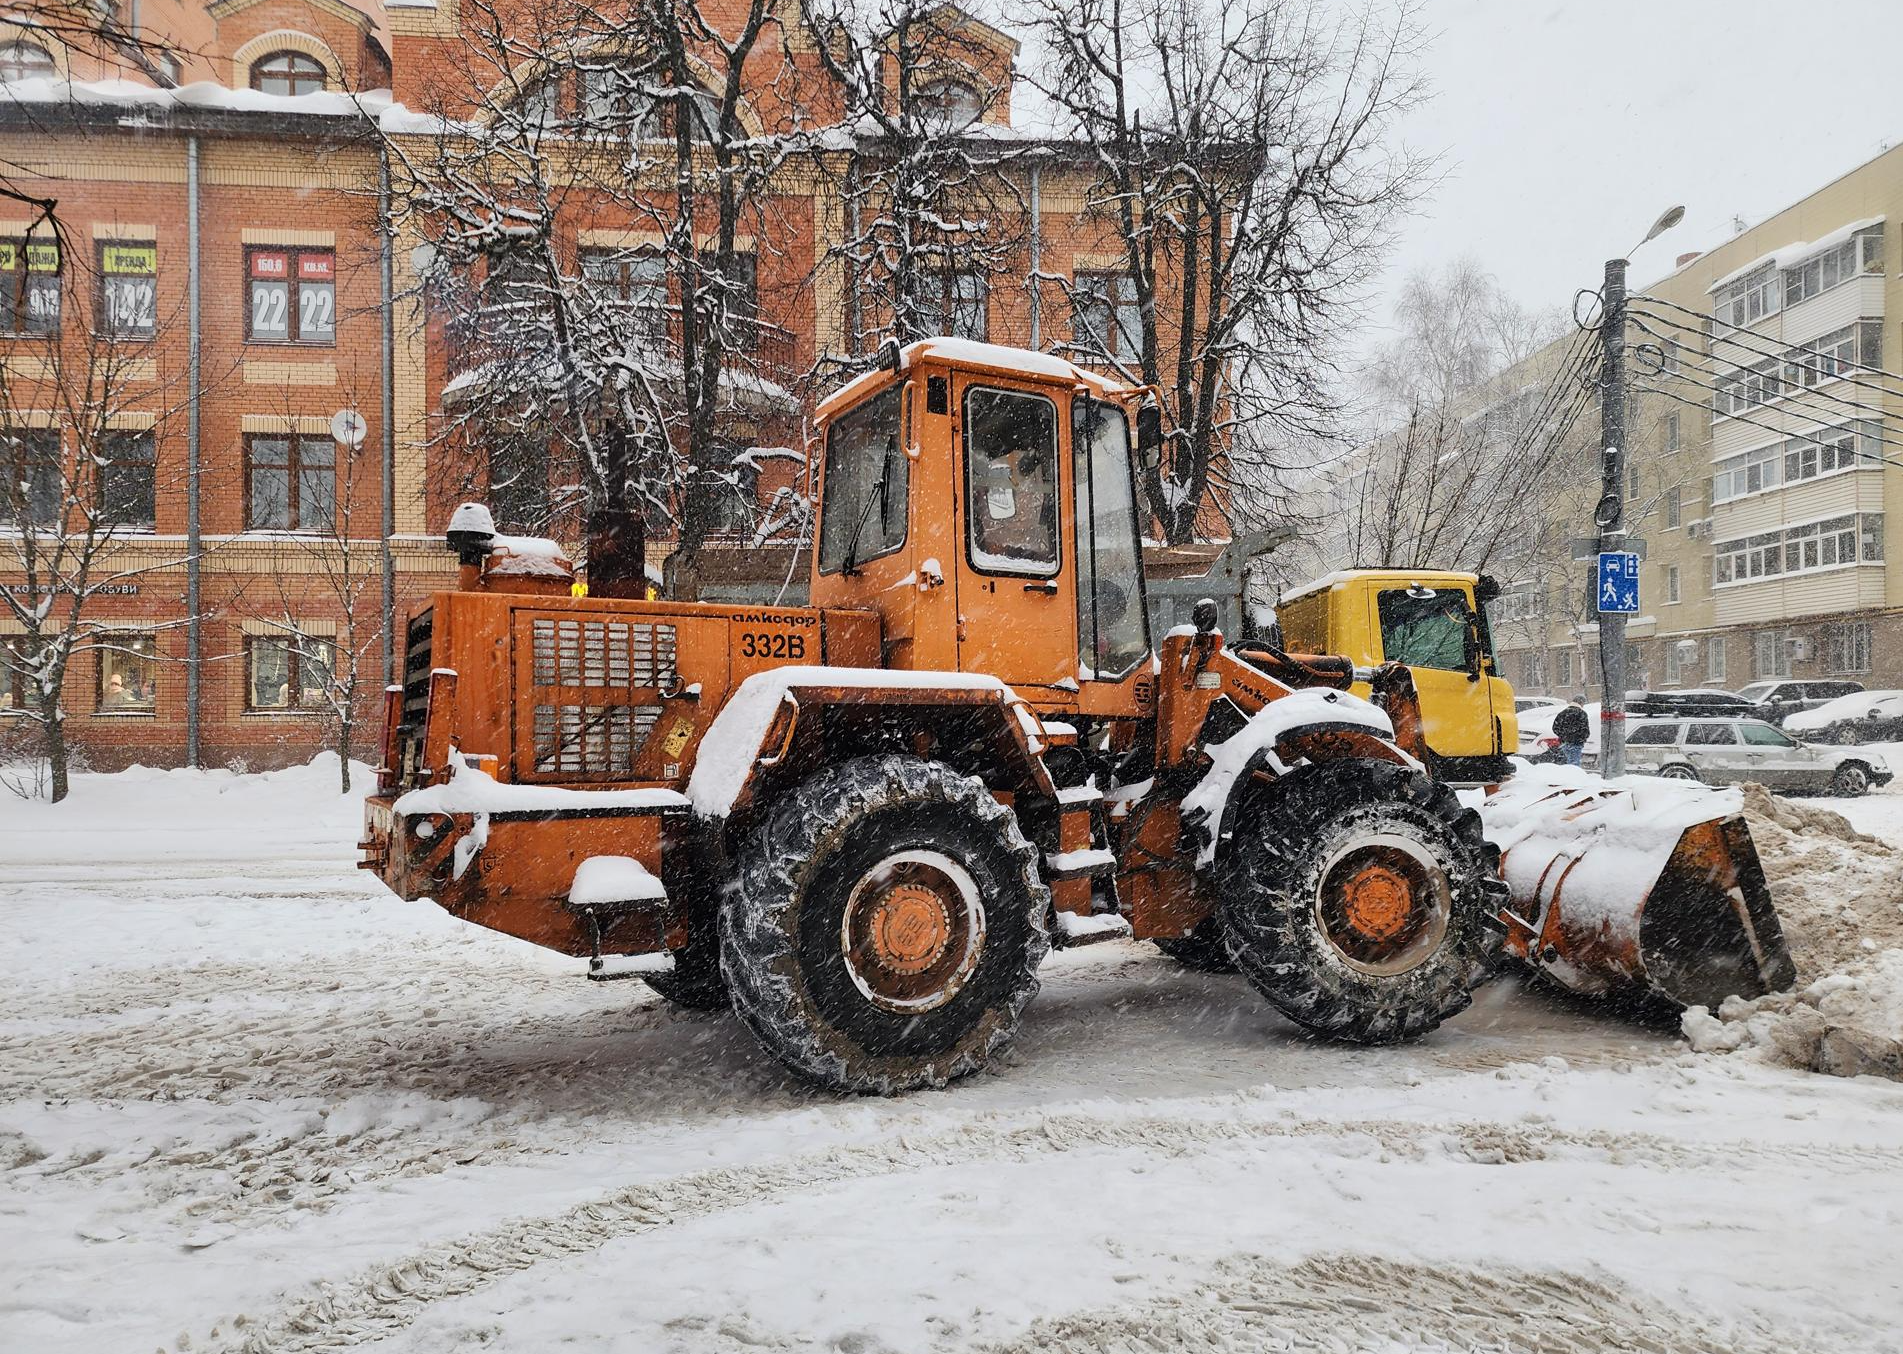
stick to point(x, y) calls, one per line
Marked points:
point(141, 259)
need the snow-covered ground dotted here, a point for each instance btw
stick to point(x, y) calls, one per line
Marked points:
point(250, 1101)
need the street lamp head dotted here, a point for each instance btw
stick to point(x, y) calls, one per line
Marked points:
point(1667, 219)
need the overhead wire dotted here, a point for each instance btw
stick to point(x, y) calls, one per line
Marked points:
point(1781, 432)
point(1781, 350)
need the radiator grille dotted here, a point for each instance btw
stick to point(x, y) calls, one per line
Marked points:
point(596, 740)
point(585, 673)
point(603, 654)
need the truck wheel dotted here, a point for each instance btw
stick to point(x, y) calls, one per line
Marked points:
point(887, 926)
point(1361, 899)
point(1203, 949)
point(1851, 781)
point(694, 983)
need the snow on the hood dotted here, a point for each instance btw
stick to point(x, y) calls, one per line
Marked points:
point(733, 742)
point(1859, 705)
point(1267, 727)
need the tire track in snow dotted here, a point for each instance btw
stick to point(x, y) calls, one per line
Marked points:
point(385, 1299)
point(1363, 1303)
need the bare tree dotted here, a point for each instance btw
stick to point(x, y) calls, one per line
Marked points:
point(1243, 154)
point(81, 418)
point(618, 373)
point(932, 220)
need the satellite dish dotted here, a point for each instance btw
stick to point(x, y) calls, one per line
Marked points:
point(347, 428)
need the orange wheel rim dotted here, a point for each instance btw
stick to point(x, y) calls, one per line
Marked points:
point(1384, 904)
point(912, 931)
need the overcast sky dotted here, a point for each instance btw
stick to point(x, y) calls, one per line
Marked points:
point(1566, 126)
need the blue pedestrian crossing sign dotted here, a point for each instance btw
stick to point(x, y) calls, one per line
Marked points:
point(1619, 581)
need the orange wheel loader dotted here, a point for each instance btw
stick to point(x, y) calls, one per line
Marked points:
point(862, 823)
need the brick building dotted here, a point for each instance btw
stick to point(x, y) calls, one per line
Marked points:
point(217, 252)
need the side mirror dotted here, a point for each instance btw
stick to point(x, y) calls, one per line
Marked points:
point(1149, 436)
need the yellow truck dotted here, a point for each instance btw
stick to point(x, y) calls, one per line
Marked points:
point(1434, 622)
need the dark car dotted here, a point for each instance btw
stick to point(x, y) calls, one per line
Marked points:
point(1773, 700)
point(1706, 701)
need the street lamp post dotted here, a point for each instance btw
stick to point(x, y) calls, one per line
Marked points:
point(1610, 515)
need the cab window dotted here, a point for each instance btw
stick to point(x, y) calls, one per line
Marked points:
point(1112, 628)
point(1711, 735)
point(1425, 628)
point(867, 478)
point(1764, 736)
point(1011, 482)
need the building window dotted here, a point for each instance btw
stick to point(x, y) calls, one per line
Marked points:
point(948, 104)
point(1861, 253)
point(26, 61)
point(1106, 320)
point(957, 306)
point(1715, 659)
point(742, 286)
point(285, 672)
point(630, 280)
point(518, 483)
point(1847, 647)
point(128, 289)
point(29, 287)
point(1674, 507)
point(293, 296)
point(30, 488)
point(1671, 432)
point(288, 73)
point(128, 674)
point(1851, 446)
point(1835, 543)
point(1671, 583)
point(128, 480)
point(1750, 298)
point(1770, 653)
point(1674, 665)
point(290, 482)
point(1562, 668)
point(1533, 668)
point(19, 690)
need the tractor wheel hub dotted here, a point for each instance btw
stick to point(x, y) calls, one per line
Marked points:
point(912, 931)
point(909, 929)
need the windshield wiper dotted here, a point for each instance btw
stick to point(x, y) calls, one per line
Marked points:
point(851, 562)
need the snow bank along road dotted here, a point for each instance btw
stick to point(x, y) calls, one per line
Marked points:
point(249, 1102)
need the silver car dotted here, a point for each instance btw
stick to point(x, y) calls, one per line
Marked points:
point(1732, 751)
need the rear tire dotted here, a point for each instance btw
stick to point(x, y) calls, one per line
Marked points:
point(1361, 899)
point(887, 926)
point(1852, 781)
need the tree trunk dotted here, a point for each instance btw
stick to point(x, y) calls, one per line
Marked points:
point(56, 754)
point(343, 753)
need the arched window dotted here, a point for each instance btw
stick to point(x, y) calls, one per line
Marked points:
point(288, 73)
point(26, 61)
point(950, 104)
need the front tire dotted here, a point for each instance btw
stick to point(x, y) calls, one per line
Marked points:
point(1678, 771)
point(887, 926)
point(1852, 781)
point(1361, 899)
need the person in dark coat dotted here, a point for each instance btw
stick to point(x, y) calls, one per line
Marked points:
point(1572, 728)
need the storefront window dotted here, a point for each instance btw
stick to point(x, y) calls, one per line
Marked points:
point(128, 674)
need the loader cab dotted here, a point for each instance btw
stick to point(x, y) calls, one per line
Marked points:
point(983, 501)
point(1436, 624)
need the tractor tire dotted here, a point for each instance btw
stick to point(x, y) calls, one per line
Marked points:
point(1361, 899)
point(886, 928)
point(1203, 949)
point(694, 983)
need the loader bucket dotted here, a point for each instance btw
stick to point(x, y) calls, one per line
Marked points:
point(1617, 891)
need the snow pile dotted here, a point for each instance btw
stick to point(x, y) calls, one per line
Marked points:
point(1839, 894)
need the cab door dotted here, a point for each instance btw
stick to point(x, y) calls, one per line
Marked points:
point(1016, 585)
point(1437, 634)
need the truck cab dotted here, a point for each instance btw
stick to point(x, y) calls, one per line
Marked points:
point(1435, 623)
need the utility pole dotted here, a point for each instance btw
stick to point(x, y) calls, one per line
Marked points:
point(1611, 517)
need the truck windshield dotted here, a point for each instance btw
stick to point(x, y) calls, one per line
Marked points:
point(1112, 626)
point(862, 514)
point(1426, 628)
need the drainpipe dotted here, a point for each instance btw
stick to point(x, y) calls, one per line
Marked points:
point(194, 627)
point(388, 304)
point(1037, 259)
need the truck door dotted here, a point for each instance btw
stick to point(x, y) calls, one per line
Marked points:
point(1016, 590)
point(1437, 634)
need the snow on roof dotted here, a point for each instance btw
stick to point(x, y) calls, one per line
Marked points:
point(376, 105)
point(734, 741)
point(529, 556)
point(995, 355)
point(1788, 256)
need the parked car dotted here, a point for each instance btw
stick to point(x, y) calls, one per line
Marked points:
point(1732, 751)
point(1867, 717)
point(1778, 699)
point(1698, 700)
point(1524, 703)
